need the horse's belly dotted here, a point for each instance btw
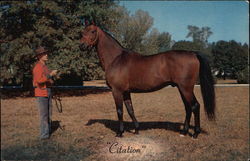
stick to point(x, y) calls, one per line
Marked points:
point(142, 83)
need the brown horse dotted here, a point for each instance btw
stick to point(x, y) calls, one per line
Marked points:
point(127, 71)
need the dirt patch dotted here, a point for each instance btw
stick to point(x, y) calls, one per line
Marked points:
point(86, 129)
point(227, 81)
point(98, 83)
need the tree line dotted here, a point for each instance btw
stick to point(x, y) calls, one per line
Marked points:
point(57, 25)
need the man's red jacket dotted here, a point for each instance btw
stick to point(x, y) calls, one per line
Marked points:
point(41, 79)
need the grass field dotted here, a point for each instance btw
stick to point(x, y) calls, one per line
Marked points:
point(89, 122)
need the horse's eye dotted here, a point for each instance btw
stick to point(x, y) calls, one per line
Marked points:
point(93, 31)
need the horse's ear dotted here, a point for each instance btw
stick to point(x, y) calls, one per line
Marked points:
point(93, 22)
point(86, 22)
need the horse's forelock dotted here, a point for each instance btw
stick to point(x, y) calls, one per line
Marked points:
point(89, 27)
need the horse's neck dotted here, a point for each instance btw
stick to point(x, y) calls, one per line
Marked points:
point(108, 49)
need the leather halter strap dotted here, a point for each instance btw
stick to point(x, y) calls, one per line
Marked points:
point(92, 43)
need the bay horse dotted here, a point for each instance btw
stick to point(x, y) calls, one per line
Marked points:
point(127, 71)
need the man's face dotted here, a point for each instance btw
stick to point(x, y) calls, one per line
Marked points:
point(44, 57)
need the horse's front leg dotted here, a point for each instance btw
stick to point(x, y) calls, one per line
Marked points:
point(118, 97)
point(129, 106)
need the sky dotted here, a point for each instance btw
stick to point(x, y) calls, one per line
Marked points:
point(228, 20)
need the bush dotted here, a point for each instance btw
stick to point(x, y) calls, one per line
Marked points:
point(243, 76)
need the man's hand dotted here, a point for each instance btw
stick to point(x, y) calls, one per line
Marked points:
point(53, 73)
point(51, 81)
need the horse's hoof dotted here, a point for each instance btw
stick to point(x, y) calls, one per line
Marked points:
point(119, 135)
point(195, 136)
point(183, 133)
point(136, 132)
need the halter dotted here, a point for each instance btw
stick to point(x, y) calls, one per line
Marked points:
point(92, 43)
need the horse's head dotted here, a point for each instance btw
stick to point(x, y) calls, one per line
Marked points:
point(90, 36)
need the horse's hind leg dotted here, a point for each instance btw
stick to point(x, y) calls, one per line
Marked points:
point(191, 105)
point(129, 106)
point(196, 111)
point(118, 97)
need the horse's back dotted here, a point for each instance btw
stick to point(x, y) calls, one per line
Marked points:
point(146, 72)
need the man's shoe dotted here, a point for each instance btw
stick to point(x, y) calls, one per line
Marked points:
point(45, 138)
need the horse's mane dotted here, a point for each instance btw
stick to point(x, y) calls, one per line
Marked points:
point(107, 33)
point(125, 50)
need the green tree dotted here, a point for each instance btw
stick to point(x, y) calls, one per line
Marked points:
point(150, 44)
point(194, 33)
point(187, 45)
point(205, 33)
point(164, 41)
point(199, 35)
point(199, 43)
point(57, 25)
point(243, 76)
point(229, 58)
point(133, 29)
point(135, 33)
point(25, 25)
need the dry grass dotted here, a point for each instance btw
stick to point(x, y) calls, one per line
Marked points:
point(227, 81)
point(90, 122)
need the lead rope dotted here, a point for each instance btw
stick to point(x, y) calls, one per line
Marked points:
point(58, 105)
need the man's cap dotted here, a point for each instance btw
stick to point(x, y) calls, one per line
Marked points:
point(40, 51)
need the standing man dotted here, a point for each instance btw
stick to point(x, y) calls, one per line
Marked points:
point(42, 80)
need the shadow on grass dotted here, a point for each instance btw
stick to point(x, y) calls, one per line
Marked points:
point(128, 126)
point(44, 150)
point(55, 125)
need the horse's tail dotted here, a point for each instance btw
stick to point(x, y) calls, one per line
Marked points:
point(207, 87)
